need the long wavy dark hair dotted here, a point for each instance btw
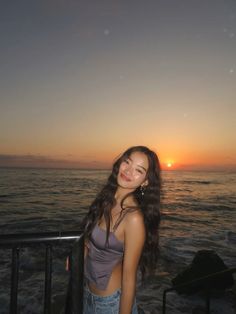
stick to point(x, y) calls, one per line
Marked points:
point(148, 202)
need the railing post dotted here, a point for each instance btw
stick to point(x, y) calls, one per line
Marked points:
point(14, 280)
point(81, 274)
point(77, 266)
point(48, 280)
point(164, 303)
point(207, 301)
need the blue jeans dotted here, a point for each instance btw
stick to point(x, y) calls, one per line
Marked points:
point(94, 304)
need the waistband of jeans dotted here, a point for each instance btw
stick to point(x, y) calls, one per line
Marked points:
point(99, 297)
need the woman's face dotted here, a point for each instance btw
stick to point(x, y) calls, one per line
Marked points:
point(133, 170)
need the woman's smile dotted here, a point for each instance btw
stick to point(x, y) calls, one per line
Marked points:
point(125, 177)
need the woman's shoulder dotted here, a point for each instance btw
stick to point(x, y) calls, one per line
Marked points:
point(134, 218)
point(134, 227)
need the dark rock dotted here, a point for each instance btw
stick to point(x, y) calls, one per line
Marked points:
point(205, 262)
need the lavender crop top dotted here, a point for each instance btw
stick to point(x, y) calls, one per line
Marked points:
point(102, 258)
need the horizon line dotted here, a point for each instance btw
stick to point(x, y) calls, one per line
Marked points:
point(188, 169)
point(48, 162)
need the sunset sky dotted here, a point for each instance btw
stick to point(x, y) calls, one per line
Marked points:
point(81, 81)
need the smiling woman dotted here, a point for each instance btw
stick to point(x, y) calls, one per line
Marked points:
point(121, 232)
point(132, 172)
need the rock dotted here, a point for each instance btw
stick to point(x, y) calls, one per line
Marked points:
point(204, 263)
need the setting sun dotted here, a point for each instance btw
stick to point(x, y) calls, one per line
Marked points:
point(168, 165)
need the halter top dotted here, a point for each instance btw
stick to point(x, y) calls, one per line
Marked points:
point(101, 257)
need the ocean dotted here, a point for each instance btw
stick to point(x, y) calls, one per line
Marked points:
point(198, 212)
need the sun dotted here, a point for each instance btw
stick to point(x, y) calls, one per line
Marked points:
point(169, 164)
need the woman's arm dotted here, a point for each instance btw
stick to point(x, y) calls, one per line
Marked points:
point(134, 241)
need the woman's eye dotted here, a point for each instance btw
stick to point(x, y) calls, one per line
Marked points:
point(139, 171)
point(126, 161)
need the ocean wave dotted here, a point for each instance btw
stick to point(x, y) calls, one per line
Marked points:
point(197, 182)
point(212, 207)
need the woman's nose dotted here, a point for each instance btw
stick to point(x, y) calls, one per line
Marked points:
point(128, 169)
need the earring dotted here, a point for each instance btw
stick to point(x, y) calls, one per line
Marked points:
point(142, 190)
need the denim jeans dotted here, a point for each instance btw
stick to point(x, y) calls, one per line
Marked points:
point(94, 304)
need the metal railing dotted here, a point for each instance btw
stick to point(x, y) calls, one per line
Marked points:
point(205, 280)
point(17, 241)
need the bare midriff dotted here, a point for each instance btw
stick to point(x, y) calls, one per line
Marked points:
point(113, 284)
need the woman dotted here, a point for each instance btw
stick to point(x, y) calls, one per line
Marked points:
point(121, 232)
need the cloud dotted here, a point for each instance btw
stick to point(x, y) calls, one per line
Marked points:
point(206, 167)
point(39, 161)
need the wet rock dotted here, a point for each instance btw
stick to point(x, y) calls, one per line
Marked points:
point(205, 262)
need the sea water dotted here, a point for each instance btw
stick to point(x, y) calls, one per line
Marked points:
point(198, 212)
